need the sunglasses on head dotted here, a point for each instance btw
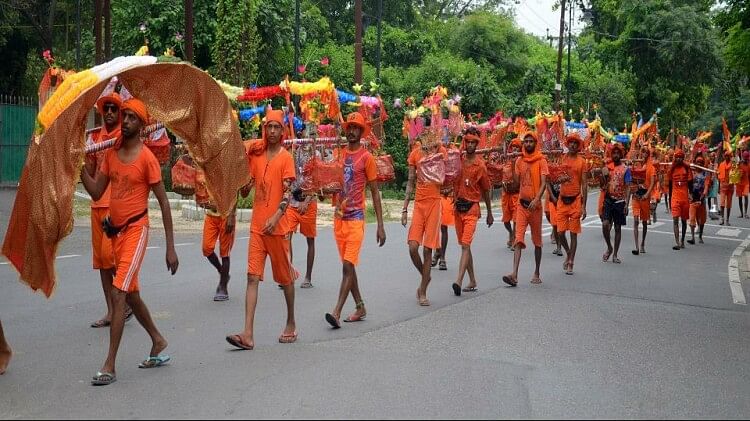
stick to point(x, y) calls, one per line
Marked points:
point(110, 107)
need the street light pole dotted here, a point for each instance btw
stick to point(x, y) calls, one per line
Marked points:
point(558, 86)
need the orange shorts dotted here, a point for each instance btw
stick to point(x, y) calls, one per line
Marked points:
point(680, 209)
point(551, 208)
point(466, 225)
point(215, 228)
point(275, 246)
point(656, 193)
point(697, 214)
point(425, 223)
point(349, 236)
point(569, 216)
point(130, 248)
point(509, 203)
point(641, 209)
point(742, 190)
point(447, 216)
point(525, 218)
point(306, 222)
point(101, 245)
point(725, 196)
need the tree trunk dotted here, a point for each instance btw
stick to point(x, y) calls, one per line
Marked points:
point(358, 41)
point(189, 30)
point(98, 32)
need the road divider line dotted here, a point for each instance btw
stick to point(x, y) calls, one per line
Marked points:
point(733, 268)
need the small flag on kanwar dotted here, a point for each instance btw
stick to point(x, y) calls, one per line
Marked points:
point(726, 136)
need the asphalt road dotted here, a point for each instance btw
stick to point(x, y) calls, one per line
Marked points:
point(657, 336)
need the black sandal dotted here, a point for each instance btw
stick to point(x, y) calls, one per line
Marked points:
point(456, 289)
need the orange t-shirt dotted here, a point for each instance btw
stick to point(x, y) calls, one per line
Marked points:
point(424, 191)
point(650, 175)
point(98, 137)
point(723, 170)
point(530, 185)
point(130, 184)
point(269, 179)
point(473, 180)
point(359, 169)
point(745, 169)
point(577, 166)
point(679, 178)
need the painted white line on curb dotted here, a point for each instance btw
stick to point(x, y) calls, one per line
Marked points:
point(733, 268)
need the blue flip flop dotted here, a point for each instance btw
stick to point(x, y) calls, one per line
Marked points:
point(153, 362)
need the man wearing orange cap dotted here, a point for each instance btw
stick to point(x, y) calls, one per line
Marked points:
point(726, 189)
point(509, 199)
point(133, 172)
point(425, 225)
point(272, 168)
point(360, 172)
point(698, 211)
point(472, 185)
point(743, 187)
point(108, 107)
point(642, 198)
point(531, 173)
point(680, 185)
point(571, 205)
point(616, 177)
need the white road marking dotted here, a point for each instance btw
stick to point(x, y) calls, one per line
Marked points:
point(728, 232)
point(183, 244)
point(242, 238)
point(655, 224)
point(733, 268)
point(68, 256)
point(723, 226)
point(4, 263)
point(625, 228)
point(152, 247)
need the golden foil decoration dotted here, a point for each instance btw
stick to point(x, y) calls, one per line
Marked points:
point(186, 99)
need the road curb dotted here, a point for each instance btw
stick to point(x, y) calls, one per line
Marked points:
point(733, 269)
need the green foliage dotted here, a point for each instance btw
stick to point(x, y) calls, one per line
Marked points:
point(400, 47)
point(235, 48)
point(737, 48)
point(246, 202)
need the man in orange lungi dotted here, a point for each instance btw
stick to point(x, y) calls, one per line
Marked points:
point(571, 205)
point(641, 200)
point(509, 199)
point(5, 352)
point(616, 178)
point(216, 228)
point(133, 172)
point(531, 173)
point(743, 187)
point(272, 168)
point(698, 211)
point(360, 172)
point(726, 189)
point(680, 185)
point(108, 106)
point(425, 224)
point(472, 185)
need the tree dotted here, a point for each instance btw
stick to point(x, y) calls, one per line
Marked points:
point(235, 49)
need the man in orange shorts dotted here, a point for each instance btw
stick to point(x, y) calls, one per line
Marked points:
point(698, 211)
point(425, 224)
point(302, 216)
point(472, 185)
point(360, 172)
point(641, 200)
point(133, 172)
point(5, 352)
point(743, 187)
point(509, 199)
point(272, 168)
point(216, 228)
point(531, 173)
point(726, 189)
point(571, 205)
point(447, 219)
point(680, 185)
point(108, 106)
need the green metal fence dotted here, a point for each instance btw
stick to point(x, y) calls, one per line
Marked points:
point(17, 116)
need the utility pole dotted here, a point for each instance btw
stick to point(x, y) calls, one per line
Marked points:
point(380, 20)
point(296, 38)
point(189, 30)
point(358, 41)
point(78, 34)
point(570, 38)
point(558, 86)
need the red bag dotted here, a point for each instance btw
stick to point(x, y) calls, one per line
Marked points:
point(495, 172)
point(160, 145)
point(431, 169)
point(384, 164)
point(325, 177)
point(183, 176)
point(558, 173)
point(452, 166)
